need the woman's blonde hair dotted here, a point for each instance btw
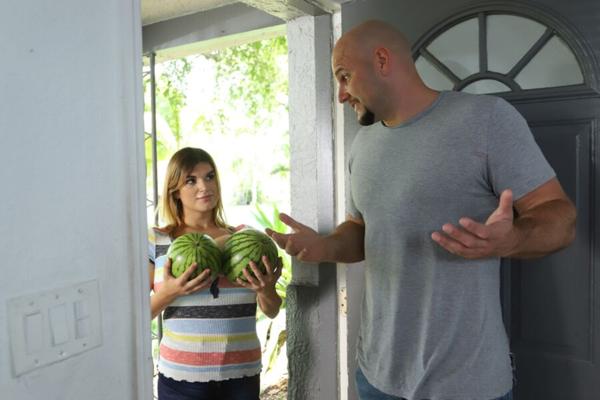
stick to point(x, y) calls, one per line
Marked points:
point(180, 165)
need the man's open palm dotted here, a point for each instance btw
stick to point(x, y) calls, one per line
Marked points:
point(475, 240)
point(304, 243)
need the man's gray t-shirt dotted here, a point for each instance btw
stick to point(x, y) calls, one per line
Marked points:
point(431, 321)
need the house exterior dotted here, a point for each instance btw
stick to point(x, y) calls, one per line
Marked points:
point(74, 319)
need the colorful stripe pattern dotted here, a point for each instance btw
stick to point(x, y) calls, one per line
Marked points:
point(206, 338)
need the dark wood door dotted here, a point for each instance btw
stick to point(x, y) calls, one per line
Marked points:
point(552, 304)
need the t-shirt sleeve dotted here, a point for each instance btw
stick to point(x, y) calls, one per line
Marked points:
point(158, 244)
point(151, 246)
point(350, 205)
point(514, 159)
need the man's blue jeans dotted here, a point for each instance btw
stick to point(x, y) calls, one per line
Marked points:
point(366, 391)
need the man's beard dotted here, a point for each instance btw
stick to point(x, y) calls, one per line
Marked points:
point(367, 118)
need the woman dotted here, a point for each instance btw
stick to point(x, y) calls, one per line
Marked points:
point(209, 349)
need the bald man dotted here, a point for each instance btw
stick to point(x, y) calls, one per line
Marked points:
point(441, 186)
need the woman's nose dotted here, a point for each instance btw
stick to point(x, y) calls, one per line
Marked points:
point(201, 184)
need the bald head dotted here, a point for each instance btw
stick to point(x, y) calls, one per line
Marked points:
point(376, 75)
point(370, 35)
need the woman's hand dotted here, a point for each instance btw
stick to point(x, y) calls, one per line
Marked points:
point(183, 285)
point(264, 285)
point(172, 287)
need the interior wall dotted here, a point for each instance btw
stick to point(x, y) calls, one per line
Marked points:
point(73, 208)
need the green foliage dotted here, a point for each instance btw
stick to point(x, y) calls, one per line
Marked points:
point(172, 86)
point(162, 152)
point(170, 99)
point(280, 341)
point(251, 75)
point(274, 222)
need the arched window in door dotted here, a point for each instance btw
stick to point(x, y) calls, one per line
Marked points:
point(497, 53)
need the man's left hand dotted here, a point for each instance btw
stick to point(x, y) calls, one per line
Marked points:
point(473, 240)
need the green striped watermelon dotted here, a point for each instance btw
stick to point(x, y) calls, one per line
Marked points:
point(194, 248)
point(245, 246)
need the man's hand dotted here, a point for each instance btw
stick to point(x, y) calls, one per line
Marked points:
point(495, 238)
point(304, 243)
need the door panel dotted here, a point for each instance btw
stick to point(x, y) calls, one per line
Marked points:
point(554, 300)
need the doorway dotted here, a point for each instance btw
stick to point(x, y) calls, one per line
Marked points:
point(232, 102)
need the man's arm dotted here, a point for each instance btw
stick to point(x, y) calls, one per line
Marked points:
point(345, 244)
point(545, 222)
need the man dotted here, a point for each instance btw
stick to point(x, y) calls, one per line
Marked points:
point(442, 185)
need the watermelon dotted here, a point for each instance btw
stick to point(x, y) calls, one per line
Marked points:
point(245, 246)
point(194, 248)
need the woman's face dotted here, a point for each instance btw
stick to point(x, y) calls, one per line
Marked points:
point(199, 192)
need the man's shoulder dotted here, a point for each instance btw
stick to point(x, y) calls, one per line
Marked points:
point(479, 106)
point(471, 99)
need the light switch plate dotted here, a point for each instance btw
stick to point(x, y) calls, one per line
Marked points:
point(46, 327)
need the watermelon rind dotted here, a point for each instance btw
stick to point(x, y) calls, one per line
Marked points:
point(244, 246)
point(194, 248)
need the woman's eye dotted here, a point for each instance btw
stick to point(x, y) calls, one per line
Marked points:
point(190, 181)
point(210, 176)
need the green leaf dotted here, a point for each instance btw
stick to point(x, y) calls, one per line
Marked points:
point(281, 338)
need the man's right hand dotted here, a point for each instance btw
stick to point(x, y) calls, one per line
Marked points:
point(304, 243)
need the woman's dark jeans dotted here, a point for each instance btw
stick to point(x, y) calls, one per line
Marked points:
point(247, 388)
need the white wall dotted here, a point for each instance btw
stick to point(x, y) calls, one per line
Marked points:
point(72, 188)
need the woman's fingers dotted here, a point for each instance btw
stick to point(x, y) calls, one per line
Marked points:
point(187, 274)
point(203, 280)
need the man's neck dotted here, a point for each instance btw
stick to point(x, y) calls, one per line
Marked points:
point(410, 106)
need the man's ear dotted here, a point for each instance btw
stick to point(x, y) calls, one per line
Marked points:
point(382, 60)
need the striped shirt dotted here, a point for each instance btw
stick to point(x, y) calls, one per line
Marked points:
point(206, 338)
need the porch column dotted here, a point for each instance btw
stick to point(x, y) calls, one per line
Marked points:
point(312, 301)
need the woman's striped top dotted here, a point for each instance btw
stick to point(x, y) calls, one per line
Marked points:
point(206, 338)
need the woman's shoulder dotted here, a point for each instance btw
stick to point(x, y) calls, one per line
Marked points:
point(158, 234)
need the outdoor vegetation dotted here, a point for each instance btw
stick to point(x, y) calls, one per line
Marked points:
point(233, 104)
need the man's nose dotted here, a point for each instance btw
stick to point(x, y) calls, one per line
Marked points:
point(342, 94)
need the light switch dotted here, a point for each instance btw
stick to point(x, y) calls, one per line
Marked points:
point(82, 328)
point(33, 324)
point(82, 319)
point(52, 326)
point(81, 309)
point(59, 324)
